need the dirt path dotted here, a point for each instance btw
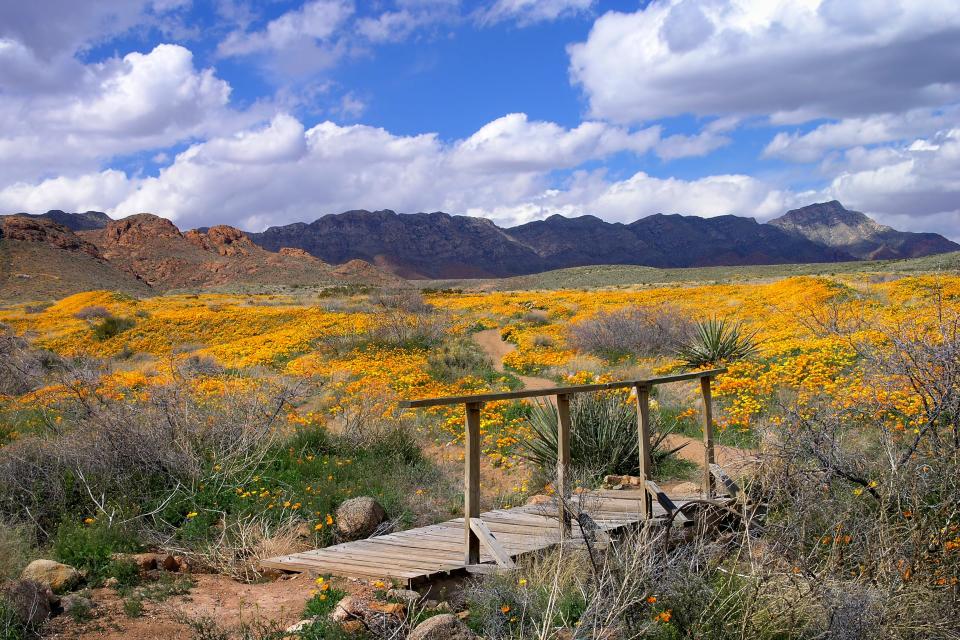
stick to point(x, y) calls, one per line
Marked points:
point(734, 460)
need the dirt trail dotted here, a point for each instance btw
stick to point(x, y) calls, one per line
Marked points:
point(734, 461)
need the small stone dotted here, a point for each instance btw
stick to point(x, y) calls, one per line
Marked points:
point(463, 615)
point(445, 626)
point(76, 603)
point(443, 606)
point(168, 563)
point(539, 499)
point(395, 609)
point(111, 582)
point(347, 608)
point(59, 577)
point(403, 595)
point(182, 565)
point(304, 531)
point(359, 517)
point(145, 561)
point(352, 626)
point(300, 626)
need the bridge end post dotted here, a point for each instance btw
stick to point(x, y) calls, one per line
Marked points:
point(643, 434)
point(708, 449)
point(563, 462)
point(471, 482)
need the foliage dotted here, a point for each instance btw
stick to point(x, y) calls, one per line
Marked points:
point(630, 331)
point(17, 549)
point(90, 548)
point(112, 326)
point(603, 436)
point(715, 341)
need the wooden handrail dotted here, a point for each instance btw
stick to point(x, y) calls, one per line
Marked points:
point(552, 391)
point(474, 531)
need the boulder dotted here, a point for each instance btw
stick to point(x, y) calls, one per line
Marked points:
point(30, 602)
point(359, 517)
point(76, 604)
point(59, 577)
point(445, 626)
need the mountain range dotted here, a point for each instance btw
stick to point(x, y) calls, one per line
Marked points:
point(146, 252)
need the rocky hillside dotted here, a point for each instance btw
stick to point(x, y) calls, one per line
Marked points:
point(154, 250)
point(40, 259)
point(84, 221)
point(833, 225)
point(418, 245)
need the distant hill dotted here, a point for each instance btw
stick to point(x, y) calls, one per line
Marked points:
point(831, 224)
point(42, 259)
point(85, 221)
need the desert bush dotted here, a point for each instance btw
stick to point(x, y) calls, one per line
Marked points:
point(90, 547)
point(95, 312)
point(112, 326)
point(716, 341)
point(404, 319)
point(603, 437)
point(640, 331)
point(17, 549)
point(535, 317)
point(458, 359)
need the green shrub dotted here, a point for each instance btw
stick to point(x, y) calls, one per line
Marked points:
point(454, 361)
point(91, 548)
point(10, 626)
point(603, 437)
point(715, 341)
point(16, 550)
point(112, 326)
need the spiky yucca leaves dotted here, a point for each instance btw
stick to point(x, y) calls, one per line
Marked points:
point(717, 340)
point(603, 436)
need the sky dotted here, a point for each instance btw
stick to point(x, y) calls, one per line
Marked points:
point(259, 113)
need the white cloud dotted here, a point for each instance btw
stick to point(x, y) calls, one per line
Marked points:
point(84, 193)
point(853, 132)
point(791, 61)
point(527, 12)
point(301, 41)
point(139, 102)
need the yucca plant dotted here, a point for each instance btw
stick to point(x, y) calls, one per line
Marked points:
point(603, 437)
point(716, 340)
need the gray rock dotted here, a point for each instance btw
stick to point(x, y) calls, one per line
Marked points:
point(359, 517)
point(76, 604)
point(59, 577)
point(403, 595)
point(445, 626)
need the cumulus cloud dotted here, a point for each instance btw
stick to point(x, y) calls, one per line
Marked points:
point(789, 61)
point(527, 12)
point(118, 106)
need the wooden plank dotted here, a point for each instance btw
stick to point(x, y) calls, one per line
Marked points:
point(488, 540)
point(310, 564)
point(661, 496)
point(643, 433)
point(471, 483)
point(563, 460)
point(733, 489)
point(552, 391)
point(708, 453)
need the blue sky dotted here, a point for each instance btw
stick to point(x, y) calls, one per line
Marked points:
point(258, 113)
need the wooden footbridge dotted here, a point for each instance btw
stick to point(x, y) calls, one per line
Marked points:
point(481, 542)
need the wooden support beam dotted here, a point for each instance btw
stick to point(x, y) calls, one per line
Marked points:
point(471, 483)
point(733, 489)
point(563, 461)
point(708, 452)
point(643, 433)
point(661, 497)
point(489, 541)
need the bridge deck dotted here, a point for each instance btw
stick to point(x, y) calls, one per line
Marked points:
point(424, 552)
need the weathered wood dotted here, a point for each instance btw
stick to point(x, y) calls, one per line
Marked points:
point(563, 460)
point(485, 569)
point(643, 433)
point(733, 489)
point(552, 391)
point(488, 540)
point(661, 497)
point(471, 483)
point(708, 452)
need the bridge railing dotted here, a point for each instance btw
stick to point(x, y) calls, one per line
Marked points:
point(476, 532)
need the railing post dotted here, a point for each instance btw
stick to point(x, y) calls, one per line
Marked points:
point(471, 483)
point(643, 433)
point(563, 461)
point(708, 453)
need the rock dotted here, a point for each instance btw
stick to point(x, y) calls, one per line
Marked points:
point(539, 499)
point(407, 596)
point(359, 517)
point(304, 531)
point(348, 608)
point(395, 609)
point(111, 583)
point(352, 626)
point(182, 565)
point(443, 606)
point(76, 604)
point(463, 615)
point(59, 577)
point(300, 626)
point(445, 626)
point(29, 601)
point(168, 563)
